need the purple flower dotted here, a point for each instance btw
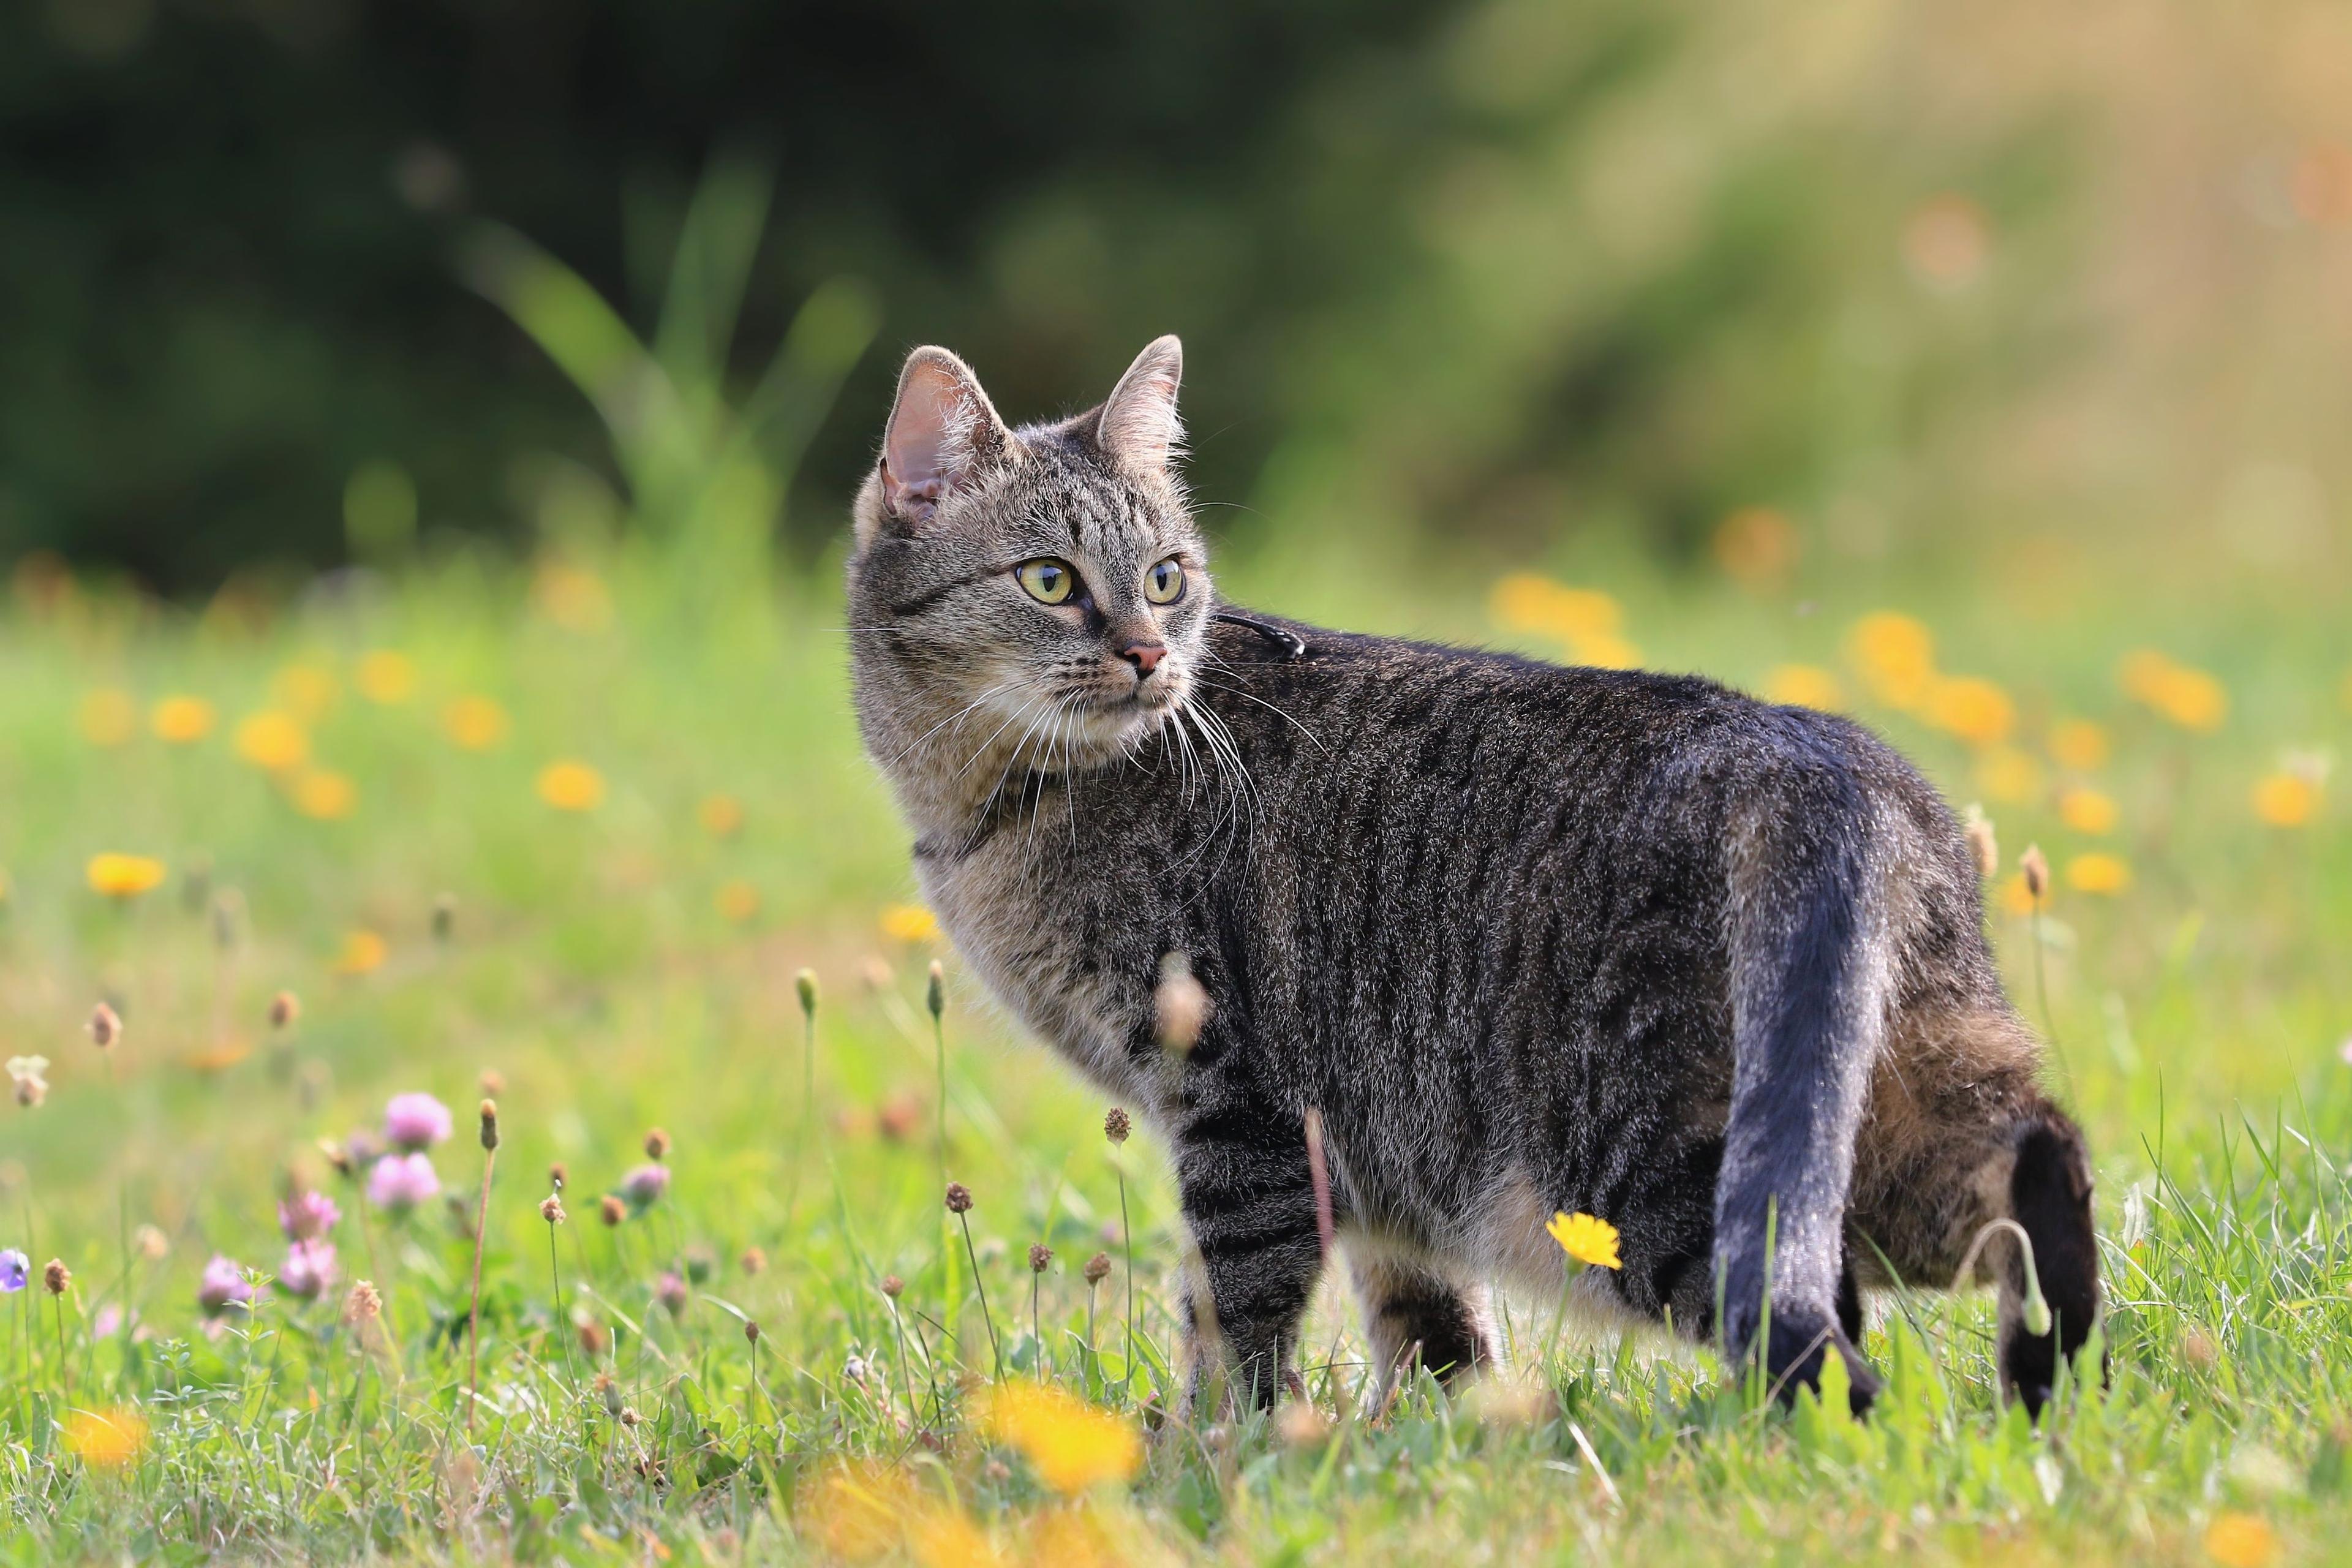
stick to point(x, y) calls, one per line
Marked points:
point(222, 1287)
point(309, 1267)
point(415, 1120)
point(671, 1292)
point(644, 1184)
point(15, 1270)
point(307, 1216)
point(401, 1182)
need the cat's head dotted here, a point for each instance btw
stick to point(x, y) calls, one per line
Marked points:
point(1046, 582)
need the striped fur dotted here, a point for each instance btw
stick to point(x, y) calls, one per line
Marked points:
point(1532, 938)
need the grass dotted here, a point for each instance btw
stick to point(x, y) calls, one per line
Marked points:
point(631, 965)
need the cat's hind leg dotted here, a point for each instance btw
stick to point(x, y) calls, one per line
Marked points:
point(1415, 1317)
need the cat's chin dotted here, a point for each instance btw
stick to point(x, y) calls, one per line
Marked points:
point(1106, 732)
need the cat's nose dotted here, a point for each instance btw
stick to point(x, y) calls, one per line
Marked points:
point(1144, 656)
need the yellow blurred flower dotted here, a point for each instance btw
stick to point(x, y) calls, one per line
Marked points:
point(722, 815)
point(1757, 545)
point(2079, 744)
point(573, 599)
point(1082, 1538)
point(738, 900)
point(1074, 1447)
point(2188, 697)
point(385, 676)
point(324, 794)
point(2008, 774)
point(1586, 1237)
point(364, 951)
point(909, 922)
point(105, 1439)
point(570, 786)
point(2087, 811)
point(1804, 686)
point(2286, 799)
point(2098, 873)
point(475, 723)
point(108, 716)
point(2240, 1541)
point(272, 740)
point(857, 1511)
point(181, 720)
point(307, 690)
point(123, 876)
point(944, 1537)
point(1589, 622)
point(2016, 896)
point(1896, 656)
point(1972, 707)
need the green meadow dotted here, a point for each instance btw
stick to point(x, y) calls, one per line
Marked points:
point(568, 833)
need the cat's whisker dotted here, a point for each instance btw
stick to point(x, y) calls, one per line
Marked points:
point(1271, 708)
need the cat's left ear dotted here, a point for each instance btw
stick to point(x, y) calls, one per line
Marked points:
point(1138, 426)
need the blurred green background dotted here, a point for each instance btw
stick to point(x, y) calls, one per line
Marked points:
point(2046, 286)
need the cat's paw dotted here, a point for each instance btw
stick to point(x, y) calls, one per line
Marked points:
point(1797, 1349)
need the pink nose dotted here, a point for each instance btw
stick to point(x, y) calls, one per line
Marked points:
point(1144, 656)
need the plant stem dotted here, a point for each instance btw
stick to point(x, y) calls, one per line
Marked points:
point(474, 1315)
point(1127, 1246)
point(995, 1351)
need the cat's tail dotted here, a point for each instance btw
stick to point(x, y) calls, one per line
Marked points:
point(1811, 873)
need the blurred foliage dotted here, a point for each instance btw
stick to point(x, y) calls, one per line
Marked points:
point(1498, 271)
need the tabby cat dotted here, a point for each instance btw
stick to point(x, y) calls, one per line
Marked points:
point(1531, 939)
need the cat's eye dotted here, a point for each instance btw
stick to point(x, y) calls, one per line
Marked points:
point(1048, 581)
point(1164, 583)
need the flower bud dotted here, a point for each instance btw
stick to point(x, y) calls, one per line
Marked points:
point(959, 1198)
point(1117, 1126)
point(805, 983)
point(105, 1026)
point(489, 1124)
point(935, 994)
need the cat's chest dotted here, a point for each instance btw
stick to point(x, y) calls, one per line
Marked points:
point(1034, 933)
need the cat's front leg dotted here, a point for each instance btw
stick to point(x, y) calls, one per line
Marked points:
point(1242, 1171)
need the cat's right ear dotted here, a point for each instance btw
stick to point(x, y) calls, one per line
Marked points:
point(943, 434)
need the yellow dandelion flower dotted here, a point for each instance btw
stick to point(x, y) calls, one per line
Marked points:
point(2286, 799)
point(475, 723)
point(1804, 686)
point(722, 815)
point(738, 900)
point(2187, 697)
point(1896, 656)
point(1525, 601)
point(946, 1538)
point(2240, 1541)
point(181, 720)
point(273, 740)
point(1972, 707)
point(1757, 545)
point(1587, 1238)
point(2098, 873)
point(105, 1439)
point(1080, 1538)
point(1605, 652)
point(570, 786)
point(324, 794)
point(108, 717)
point(385, 676)
point(306, 691)
point(909, 922)
point(857, 1511)
point(2087, 811)
point(2079, 744)
point(363, 952)
point(2016, 896)
point(1074, 1447)
point(2008, 774)
point(123, 876)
